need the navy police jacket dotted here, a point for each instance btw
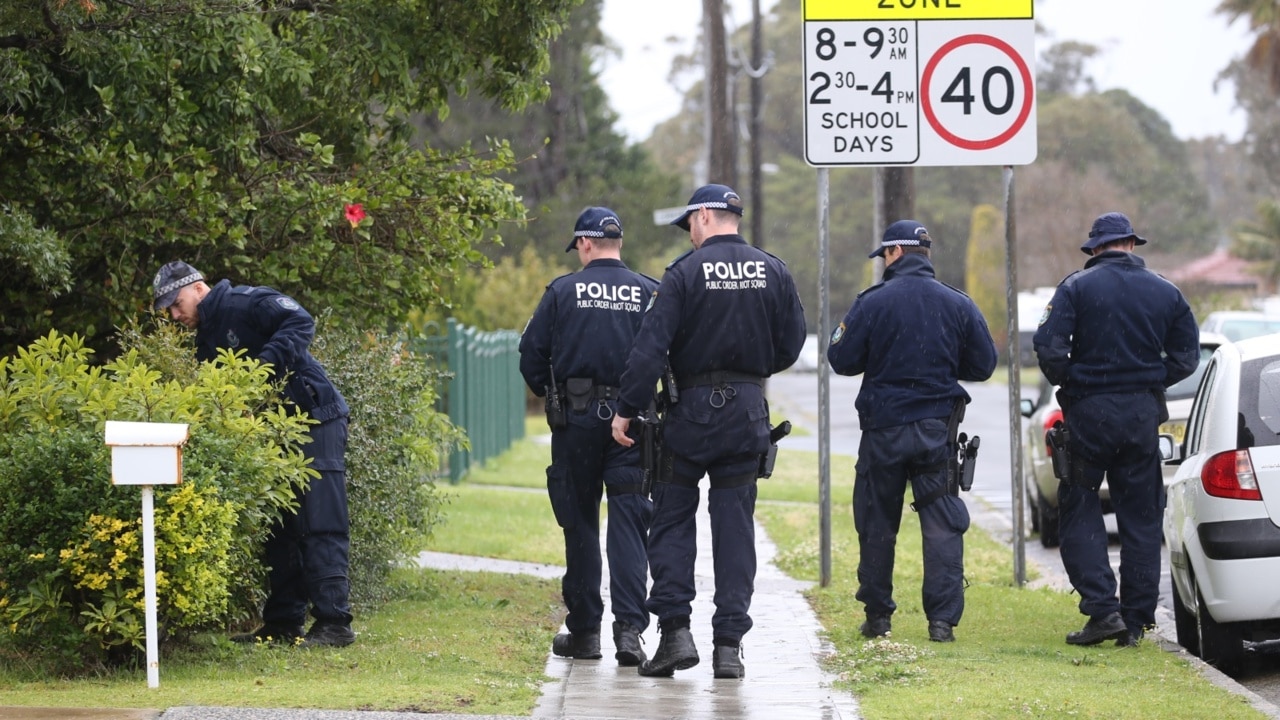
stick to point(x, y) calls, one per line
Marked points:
point(726, 306)
point(272, 328)
point(1116, 327)
point(915, 339)
point(584, 325)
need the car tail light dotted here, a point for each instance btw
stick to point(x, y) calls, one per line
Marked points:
point(1230, 475)
point(1051, 418)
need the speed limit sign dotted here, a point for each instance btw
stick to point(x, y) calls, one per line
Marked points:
point(919, 82)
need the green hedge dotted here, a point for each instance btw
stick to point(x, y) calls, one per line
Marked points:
point(70, 546)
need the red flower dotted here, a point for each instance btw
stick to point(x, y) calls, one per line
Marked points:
point(355, 213)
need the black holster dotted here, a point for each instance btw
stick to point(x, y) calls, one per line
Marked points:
point(770, 456)
point(961, 460)
point(655, 462)
point(1058, 440)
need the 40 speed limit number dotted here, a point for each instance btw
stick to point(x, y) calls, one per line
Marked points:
point(919, 93)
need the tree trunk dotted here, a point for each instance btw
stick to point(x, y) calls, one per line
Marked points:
point(722, 164)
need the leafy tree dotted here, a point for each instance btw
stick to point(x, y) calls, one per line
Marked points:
point(232, 134)
point(1136, 149)
point(1061, 69)
point(569, 156)
point(985, 277)
point(1260, 240)
point(1263, 17)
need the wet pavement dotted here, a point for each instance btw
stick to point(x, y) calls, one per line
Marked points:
point(781, 655)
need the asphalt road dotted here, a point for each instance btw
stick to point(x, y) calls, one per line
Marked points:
point(795, 395)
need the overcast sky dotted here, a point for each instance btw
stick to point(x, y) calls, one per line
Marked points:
point(1166, 53)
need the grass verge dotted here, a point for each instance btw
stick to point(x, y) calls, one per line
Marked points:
point(1009, 659)
point(477, 642)
point(453, 642)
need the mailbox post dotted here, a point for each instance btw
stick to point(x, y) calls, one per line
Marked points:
point(147, 454)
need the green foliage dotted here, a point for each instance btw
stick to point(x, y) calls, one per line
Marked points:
point(397, 438)
point(505, 296)
point(1260, 240)
point(985, 277)
point(232, 134)
point(70, 566)
point(569, 157)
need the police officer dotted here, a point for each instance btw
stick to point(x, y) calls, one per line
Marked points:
point(725, 317)
point(307, 552)
point(914, 339)
point(574, 349)
point(1113, 337)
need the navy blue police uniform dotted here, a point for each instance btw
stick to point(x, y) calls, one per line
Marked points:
point(1114, 337)
point(726, 316)
point(914, 339)
point(307, 553)
point(582, 329)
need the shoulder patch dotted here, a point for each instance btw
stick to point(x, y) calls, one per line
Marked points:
point(837, 334)
point(652, 299)
point(1048, 308)
point(287, 303)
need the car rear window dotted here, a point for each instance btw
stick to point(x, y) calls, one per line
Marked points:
point(1186, 387)
point(1260, 403)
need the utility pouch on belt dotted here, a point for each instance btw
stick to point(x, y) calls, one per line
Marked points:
point(770, 456)
point(1057, 439)
point(578, 391)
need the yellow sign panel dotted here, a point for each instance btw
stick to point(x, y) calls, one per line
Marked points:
point(918, 9)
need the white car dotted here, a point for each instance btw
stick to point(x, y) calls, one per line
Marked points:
point(1037, 465)
point(1240, 324)
point(1223, 511)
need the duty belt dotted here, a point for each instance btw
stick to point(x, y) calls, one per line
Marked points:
point(719, 377)
point(605, 392)
point(721, 391)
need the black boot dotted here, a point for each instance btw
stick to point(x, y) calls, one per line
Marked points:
point(876, 625)
point(1107, 627)
point(676, 651)
point(579, 645)
point(627, 641)
point(726, 660)
point(327, 634)
point(271, 633)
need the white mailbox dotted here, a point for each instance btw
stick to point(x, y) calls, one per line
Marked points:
point(144, 453)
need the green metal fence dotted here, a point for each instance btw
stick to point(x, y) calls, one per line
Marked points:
point(484, 394)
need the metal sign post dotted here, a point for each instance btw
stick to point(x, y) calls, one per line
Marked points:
point(147, 454)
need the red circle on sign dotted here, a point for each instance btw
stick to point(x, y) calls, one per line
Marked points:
point(927, 78)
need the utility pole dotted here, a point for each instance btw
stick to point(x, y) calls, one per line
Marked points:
point(898, 196)
point(757, 109)
point(721, 127)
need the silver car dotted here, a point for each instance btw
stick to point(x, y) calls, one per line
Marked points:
point(1037, 461)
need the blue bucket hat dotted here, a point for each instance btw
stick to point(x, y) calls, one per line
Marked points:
point(169, 280)
point(1108, 227)
point(596, 222)
point(716, 197)
point(903, 232)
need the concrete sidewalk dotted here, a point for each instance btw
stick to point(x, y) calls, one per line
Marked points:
point(781, 655)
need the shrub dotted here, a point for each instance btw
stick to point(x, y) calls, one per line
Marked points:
point(70, 566)
point(397, 439)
